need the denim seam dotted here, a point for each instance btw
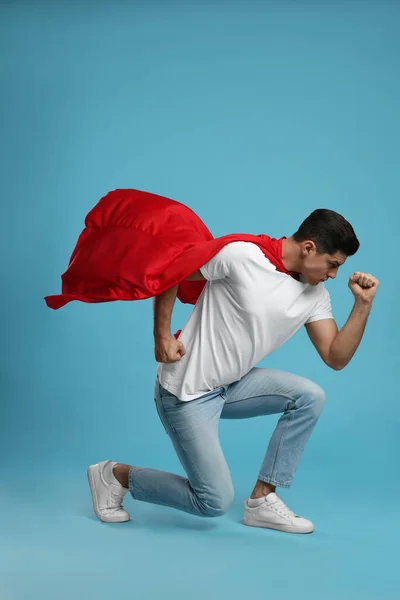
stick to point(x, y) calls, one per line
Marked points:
point(167, 418)
point(177, 437)
point(281, 442)
point(159, 416)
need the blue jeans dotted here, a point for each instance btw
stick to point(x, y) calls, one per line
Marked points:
point(193, 429)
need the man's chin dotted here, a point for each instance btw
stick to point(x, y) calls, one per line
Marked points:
point(311, 280)
point(314, 282)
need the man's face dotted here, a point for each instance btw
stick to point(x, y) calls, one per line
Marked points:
point(321, 267)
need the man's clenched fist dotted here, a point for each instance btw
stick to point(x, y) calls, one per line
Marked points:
point(168, 350)
point(364, 286)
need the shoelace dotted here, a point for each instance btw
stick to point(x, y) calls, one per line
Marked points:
point(280, 507)
point(117, 496)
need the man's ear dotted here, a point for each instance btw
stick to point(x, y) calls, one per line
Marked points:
point(308, 247)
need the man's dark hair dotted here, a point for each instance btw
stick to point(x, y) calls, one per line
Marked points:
point(329, 231)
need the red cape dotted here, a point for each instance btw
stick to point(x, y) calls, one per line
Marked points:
point(136, 245)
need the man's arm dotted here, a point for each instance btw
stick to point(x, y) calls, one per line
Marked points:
point(163, 305)
point(196, 276)
point(166, 348)
point(337, 348)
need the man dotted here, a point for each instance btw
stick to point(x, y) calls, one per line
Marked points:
point(247, 309)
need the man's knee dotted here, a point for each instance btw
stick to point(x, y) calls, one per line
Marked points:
point(314, 398)
point(217, 504)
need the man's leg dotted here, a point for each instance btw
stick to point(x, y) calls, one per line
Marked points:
point(265, 392)
point(193, 429)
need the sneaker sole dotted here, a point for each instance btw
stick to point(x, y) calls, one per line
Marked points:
point(93, 474)
point(285, 528)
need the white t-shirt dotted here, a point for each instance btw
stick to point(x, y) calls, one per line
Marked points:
point(247, 310)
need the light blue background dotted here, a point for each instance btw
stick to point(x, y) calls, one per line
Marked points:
point(253, 114)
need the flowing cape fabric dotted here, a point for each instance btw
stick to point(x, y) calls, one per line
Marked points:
point(136, 245)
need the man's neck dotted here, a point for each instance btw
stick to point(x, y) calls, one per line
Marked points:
point(290, 255)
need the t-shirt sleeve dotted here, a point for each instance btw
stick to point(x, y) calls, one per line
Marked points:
point(228, 261)
point(323, 308)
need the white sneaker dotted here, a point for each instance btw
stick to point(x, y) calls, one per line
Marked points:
point(107, 493)
point(272, 512)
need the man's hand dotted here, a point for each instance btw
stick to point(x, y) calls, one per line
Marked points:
point(168, 350)
point(364, 286)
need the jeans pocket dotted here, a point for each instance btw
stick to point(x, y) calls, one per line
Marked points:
point(159, 389)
